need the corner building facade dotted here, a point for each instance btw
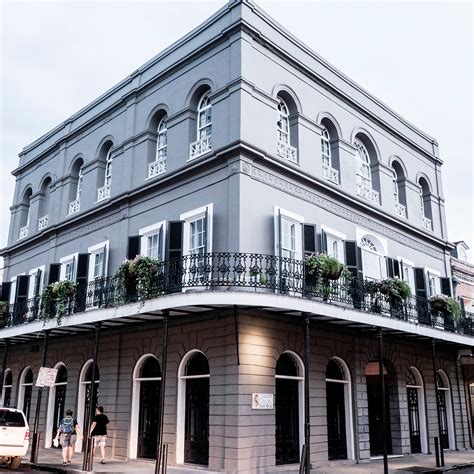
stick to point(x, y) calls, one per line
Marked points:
point(230, 157)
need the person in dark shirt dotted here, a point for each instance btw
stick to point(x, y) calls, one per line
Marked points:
point(99, 431)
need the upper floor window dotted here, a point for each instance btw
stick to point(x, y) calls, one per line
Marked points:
point(283, 124)
point(425, 205)
point(25, 214)
point(152, 240)
point(399, 197)
point(97, 266)
point(80, 179)
point(43, 209)
point(364, 182)
point(159, 165)
point(285, 135)
point(75, 189)
point(203, 144)
point(329, 172)
point(373, 260)
point(103, 192)
point(68, 267)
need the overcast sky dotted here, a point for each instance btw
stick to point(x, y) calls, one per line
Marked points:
point(417, 57)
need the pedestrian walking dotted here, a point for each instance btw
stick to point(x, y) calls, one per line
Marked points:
point(99, 431)
point(68, 431)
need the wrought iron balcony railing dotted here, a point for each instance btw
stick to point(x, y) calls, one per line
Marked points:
point(103, 193)
point(331, 174)
point(240, 271)
point(400, 210)
point(287, 151)
point(426, 223)
point(42, 222)
point(74, 206)
point(200, 147)
point(23, 232)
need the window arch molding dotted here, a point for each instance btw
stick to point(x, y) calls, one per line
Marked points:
point(324, 118)
point(330, 135)
point(447, 389)
point(425, 194)
point(286, 127)
point(399, 186)
point(289, 96)
point(25, 389)
point(197, 90)
point(395, 160)
point(420, 386)
point(25, 212)
point(181, 402)
point(48, 440)
point(158, 142)
point(135, 409)
point(104, 170)
point(154, 117)
point(349, 415)
point(200, 120)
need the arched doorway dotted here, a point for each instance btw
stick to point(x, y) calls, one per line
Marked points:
point(25, 391)
point(289, 410)
point(145, 407)
point(416, 411)
point(339, 410)
point(445, 410)
point(7, 388)
point(85, 397)
point(193, 403)
point(59, 397)
point(374, 400)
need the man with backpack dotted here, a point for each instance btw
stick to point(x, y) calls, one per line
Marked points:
point(68, 431)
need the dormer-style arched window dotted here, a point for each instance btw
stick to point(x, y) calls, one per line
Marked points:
point(158, 151)
point(398, 188)
point(104, 191)
point(425, 205)
point(25, 213)
point(329, 170)
point(365, 184)
point(43, 210)
point(203, 143)
point(373, 259)
point(283, 124)
point(75, 190)
point(285, 140)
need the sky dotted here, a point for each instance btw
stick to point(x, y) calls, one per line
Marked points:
point(417, 57)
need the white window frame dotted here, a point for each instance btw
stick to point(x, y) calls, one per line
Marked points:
point(292, 218)
point(381, 252)
point(13, 287)
point(64, 261)
point(93, 251)
point(80, 181)
point(436, 275)
point(192, 216)
point(338, 238)
point(363, 163)
point(31, 287)
point(202, 126)
point(150, 231)
point(283, 135)
point(405, 265)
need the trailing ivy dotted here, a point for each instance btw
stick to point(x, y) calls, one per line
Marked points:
point(56, 299)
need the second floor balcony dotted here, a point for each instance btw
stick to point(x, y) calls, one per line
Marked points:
point(261, 276)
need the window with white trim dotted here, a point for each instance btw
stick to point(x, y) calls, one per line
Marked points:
point(68, 267)
point(364, 176)
point(326, 147)
point(36, 281)
point(373, 261)
point(98, 257)
point(152, 240)
point(108, 169)
point(334, 243)
point(197, 230)
point(434, 282)
point(407, 273)
point(288, 234)
point(204, 112)
point(80, 181)
point(283, 124)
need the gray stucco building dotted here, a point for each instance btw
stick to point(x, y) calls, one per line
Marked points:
point(230, 157)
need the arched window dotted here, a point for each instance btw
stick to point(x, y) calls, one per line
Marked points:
point(25, 213)
point(416, 411)
point(425, 205)
point(75, 189)
point(284, 139)
point(289, 408)
point(158, 166)
point(364, 184)
point(145, 415)
point(25, 391)
point(398, 187)
point(192, 443)
point(86, 397)
point(203, 143)
point(373, 260)
point(104, 191)
point(339, 410)
point(445, 410)
point(43, 210)
point(56, 404)
point(7, 388)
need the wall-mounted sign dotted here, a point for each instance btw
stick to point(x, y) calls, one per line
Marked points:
point(262, 401)
point(46, 377)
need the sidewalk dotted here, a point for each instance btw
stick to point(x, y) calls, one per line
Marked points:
point(51, 460)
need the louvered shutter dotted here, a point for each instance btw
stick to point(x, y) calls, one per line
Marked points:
point(82, 275)
point(53, 274)
point(422, 296)
point(354, 265)
point(133, 248)
point(446, 286)
point(309, 239)
point(324, 242)
point(6, 290)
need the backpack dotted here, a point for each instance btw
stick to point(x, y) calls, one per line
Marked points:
point(67, 425)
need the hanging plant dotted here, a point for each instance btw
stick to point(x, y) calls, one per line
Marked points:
point(325, 266)
point(56, 300)
point(139, 275)
point(397, 290)
point(446, 305)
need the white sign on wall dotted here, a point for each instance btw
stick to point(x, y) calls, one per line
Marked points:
point(262, 401)
point(46, 377)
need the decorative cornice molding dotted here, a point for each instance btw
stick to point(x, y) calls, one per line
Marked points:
point(285, 185)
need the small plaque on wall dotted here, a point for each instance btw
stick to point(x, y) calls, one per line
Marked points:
point(262, 401)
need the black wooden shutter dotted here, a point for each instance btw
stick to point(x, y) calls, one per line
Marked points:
point(354, 265)
point(54, 269)
point(445, 286)
point(37, 286)
point(390, 267)
point(206, 230)
point(6, 289)
point(397, 269)
point(422, 296)
point(81, 280)
point(324, 242)
point(175, 240)
point(309, 239)
point(22, 283)
point(133, 248)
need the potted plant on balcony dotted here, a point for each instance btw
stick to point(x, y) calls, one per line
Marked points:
point(257, 275)
point(56, 299)
point(321, 270)
point(138, 277)
point(397, 292)
point(447, 307)
point(3, 313)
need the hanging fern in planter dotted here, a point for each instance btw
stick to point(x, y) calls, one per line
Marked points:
point(139, 275)
point(56, 299)
point(395, 289)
